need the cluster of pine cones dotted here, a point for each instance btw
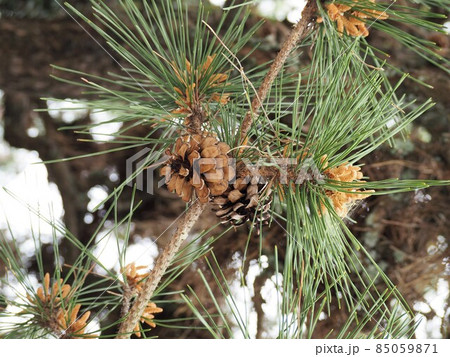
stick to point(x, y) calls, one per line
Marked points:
point(199, 166)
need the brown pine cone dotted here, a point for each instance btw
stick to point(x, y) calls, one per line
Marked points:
point(198, 163)
point(243, 201)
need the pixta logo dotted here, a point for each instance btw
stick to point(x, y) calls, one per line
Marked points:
point(140, 170)
point(141, 167)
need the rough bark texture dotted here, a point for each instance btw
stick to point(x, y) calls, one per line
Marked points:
point(297, 34)
point(162, 263)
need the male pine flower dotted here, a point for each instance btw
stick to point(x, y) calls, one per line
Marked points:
point(72, 325)
point(194, 91)
point(343, 201)
point(51, 311)
point(134, 279)
point(147, 317)
point(352, 21)
point(49, 296)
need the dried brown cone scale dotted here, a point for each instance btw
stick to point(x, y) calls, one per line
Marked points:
point(198, 164)
point(246, 200)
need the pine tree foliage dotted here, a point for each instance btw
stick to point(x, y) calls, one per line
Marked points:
point(182, 77)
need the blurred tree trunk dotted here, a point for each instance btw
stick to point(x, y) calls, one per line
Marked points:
point(28, 47)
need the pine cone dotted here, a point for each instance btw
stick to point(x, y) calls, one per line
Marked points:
point(198, 163)
point(243, 201)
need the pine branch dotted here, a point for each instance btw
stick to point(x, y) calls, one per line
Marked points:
point(297, 34)
point(197, 208)
point(161, 265)
point(126, 301)
point(157, 65)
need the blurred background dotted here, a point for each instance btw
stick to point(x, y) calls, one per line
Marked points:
point(407, 234)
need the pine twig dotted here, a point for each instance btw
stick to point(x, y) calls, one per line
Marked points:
point(161, 265)
point(297, 34)
point(126, 301)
